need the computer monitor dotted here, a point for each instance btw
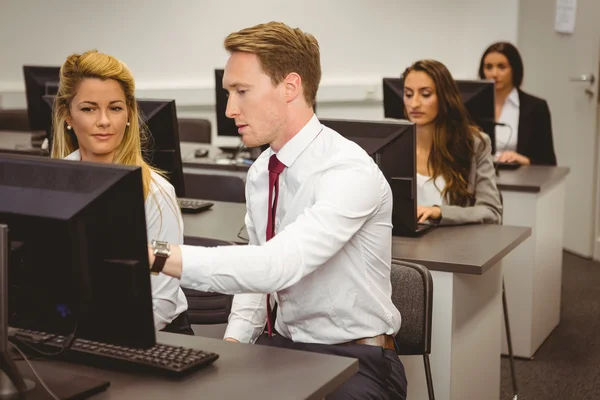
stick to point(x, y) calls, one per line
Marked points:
point(477, 96)
point(225, 126)
point(40, 81)
point(392, 145)
point(163, 150)
point(80, 257)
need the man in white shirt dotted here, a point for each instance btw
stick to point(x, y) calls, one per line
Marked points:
point(318, 221)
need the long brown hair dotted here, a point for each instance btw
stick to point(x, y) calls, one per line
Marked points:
point(454, 135)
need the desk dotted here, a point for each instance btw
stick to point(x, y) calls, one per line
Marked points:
point(19, 142)
point(534, 196)
point(243, 371)
point(466, 266)
point(223, 221)
point(208, 165)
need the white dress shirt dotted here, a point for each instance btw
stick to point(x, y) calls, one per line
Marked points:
point(328, 265)
point(163, 222)
point(507, 136)
point(430, 193)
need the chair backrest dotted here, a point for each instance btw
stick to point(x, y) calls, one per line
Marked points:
point(204, 307)
point(215, 187)
point(194, 130)
point(412, 294)
point(14, 120)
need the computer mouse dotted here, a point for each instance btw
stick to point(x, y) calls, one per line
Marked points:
point(201, 153)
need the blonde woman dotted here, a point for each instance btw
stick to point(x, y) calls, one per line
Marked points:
point(96, 119)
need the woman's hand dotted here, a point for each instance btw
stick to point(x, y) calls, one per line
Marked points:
point(425, 213)
point(511, 156)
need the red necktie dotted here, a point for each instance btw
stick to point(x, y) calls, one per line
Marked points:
point(275, 168)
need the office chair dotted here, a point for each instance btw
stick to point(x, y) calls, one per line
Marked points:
point(215, 187)
point(194, 130)
point(511, 361)
point(206, 308)
point(14, 120)
point(412, 295)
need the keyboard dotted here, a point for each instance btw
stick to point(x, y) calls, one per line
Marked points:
point(161, 358)
point(229, 149)
point(192, 206)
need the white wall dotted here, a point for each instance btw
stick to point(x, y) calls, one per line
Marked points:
point(173, 47)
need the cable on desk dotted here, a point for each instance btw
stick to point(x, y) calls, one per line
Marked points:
point(239, 234)
point(40, 380)
point(68, 343)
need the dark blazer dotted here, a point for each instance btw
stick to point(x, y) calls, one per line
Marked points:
point(534, 138)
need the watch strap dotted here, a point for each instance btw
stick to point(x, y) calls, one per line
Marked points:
point(159, 263)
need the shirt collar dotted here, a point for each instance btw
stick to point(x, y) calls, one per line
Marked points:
point(74, 156)
point(296, 145)
point(513, 97)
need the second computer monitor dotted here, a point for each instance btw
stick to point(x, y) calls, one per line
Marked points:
point(477, 96)
point(40, 81)
point(163, 149)
point(225, 126)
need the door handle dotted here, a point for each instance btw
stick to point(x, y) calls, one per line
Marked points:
point(584, 78)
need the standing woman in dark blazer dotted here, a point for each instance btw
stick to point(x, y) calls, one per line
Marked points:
point(529, 141)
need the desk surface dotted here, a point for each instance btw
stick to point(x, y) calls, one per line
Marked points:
point(470, 249)
point(189, 160)
point(533, 178)
point(223, 221)
point(242, 371)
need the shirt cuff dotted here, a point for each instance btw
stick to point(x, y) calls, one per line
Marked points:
point(191, 270)
point(240, 330)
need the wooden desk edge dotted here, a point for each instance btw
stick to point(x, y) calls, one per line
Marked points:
point(562, 172)
point(496, 259)
point(470, 268)
point(336, 382)
point(443, 266)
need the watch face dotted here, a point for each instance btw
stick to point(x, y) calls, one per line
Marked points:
point(161, 248)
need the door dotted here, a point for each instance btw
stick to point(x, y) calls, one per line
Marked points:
point(559, 68)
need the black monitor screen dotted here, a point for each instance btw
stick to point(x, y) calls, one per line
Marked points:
point(477, 96)
point(79, 255)
point(40, 81)
point(163, 150)
point(225, 126)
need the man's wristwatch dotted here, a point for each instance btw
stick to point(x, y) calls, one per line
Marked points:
point(162, 251)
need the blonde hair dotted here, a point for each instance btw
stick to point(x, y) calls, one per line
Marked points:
point(281, 50)
point(95, 65)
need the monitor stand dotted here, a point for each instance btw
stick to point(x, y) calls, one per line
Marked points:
point(13, 385)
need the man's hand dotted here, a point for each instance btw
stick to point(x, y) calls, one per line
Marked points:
point(424, 213)
point(228, 339)
point(511, 156)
